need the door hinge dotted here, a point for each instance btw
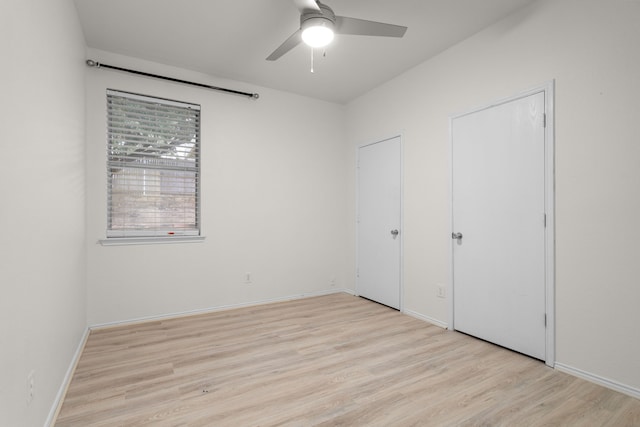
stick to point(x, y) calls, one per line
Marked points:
point(545, 320)
point(544, 220)
point(544, 120)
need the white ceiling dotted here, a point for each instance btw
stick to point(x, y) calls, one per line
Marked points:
point(232, 38)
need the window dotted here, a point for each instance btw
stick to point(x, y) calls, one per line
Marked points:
point(153, 167)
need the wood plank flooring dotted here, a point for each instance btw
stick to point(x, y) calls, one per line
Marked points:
point(334, 360)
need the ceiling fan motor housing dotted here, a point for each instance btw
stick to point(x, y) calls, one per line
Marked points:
point(323, 17)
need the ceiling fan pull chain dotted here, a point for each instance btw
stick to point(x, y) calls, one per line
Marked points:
point(312, 60)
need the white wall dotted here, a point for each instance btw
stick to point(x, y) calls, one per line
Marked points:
point(273, 201)
point(42, 256)
point(591, 49)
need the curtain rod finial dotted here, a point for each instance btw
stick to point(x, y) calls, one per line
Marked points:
point(255, 96)
point(92, 63)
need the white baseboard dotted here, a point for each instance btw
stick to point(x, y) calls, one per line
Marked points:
point(613, 385)
point(428, 319)
point(219, 308)
point(62, 391)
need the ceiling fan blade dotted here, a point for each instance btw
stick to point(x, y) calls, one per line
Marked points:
point(362, 27)
point(294, 40)
point(306, 5)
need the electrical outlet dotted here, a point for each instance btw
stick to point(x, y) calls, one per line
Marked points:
point(332, 281)
point(247, 277)
point(441, 291)
point(31, 386)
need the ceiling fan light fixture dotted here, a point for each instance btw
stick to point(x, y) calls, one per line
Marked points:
point(317, 32)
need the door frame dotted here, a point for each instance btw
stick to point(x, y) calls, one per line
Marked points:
point(548, 88)
point(357, 234)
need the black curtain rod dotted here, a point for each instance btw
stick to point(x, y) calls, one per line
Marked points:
point(92, 63)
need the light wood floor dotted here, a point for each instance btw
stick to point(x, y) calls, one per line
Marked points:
point(330, 361)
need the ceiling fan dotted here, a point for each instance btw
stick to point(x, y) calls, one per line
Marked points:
point(318, 24)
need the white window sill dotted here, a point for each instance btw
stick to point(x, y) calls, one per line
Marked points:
point(120, 241)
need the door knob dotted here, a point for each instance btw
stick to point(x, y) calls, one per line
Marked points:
point(394, 232)
point(457, 236)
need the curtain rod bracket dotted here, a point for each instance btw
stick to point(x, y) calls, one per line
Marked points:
point(96, 64)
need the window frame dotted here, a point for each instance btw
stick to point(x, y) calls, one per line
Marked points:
point(160, 234)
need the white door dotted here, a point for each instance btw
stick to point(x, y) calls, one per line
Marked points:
point(378, 224)
point(498, 160)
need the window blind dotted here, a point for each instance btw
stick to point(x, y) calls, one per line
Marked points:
point(153, 166)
